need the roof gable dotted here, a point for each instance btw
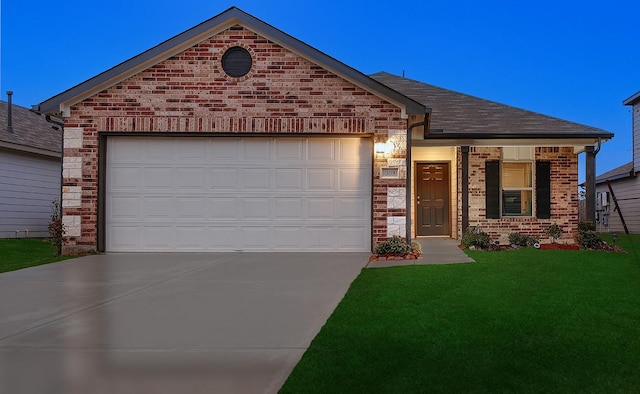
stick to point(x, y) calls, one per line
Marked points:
point(461, 115)
point(31, 132)
point(233, 16)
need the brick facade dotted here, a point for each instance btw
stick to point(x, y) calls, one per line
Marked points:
point(564, 195)
point(189, 92)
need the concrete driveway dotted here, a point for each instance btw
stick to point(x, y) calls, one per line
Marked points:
point(166, 323)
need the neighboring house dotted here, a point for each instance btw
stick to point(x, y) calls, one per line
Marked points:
point(625, 184)
point(29, 172)
point(236, 136)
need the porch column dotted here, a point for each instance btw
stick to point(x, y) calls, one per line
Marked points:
point(590, 184)
point(465, 187)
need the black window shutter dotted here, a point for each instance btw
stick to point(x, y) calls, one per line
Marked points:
point(543, 189)
point(492, 183)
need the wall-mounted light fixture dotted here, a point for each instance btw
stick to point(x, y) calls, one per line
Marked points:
point(383, 148)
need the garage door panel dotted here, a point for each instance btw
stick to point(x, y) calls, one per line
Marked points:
point(320, 208)
point(322, 238)
point(351, 150)
point(125, 208)
point(348, 208)
point(191, 209)
point(223, 208)
point(288, 208)
point(125, 238)
point(225, 194)
point(158, 178)
point(288, 237)
point(257, 150)
point(352, 237)
point(223, 237)
point(351, 179)
point(191, 178)
point(289, 150)
point(256, 179)
point(321, 150)
point(224, 179)
point(191, 238)
point(255, 208)
point(125, 178)
point(321, 179)
point(255, 237)
point(223, 149)
point(158, 208)
point(157, 238)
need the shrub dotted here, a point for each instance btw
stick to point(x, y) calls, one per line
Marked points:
point(554, 231)
point(394, 245)
point(522, 240)
point(585, 226)
point(587, 237)
point(474, 236)
point(590, 240)
point(56, 228)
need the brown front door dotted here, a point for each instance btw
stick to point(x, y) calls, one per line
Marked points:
point(432, 199)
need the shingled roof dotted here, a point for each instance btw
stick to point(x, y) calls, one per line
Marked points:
point(31, 132)
point(461, 115)
point(624, 171)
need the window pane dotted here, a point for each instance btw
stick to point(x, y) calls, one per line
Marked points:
point(516, 202)
point(516, 175)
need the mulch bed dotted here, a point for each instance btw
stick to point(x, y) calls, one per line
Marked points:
point(386, 257)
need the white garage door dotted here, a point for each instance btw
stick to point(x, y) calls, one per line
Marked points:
point(227, 194)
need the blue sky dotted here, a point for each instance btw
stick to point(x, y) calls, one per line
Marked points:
point(576, 60)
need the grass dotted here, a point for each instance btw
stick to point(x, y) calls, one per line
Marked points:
point(525, 321)
point(22, 253)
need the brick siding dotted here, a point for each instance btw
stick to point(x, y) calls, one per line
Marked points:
point(564, 195)
point(283, 93)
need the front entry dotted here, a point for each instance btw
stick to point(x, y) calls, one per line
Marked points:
point(432, 199)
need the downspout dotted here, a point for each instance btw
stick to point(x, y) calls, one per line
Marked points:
point(60, 126)
point(426, 123)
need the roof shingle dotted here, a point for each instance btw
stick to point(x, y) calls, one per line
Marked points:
point(462, 114)
point(30, 130)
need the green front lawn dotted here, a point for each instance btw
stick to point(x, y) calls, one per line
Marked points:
point(515, 321)
point(21, 253)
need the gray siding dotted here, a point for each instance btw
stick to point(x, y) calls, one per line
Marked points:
point(627, 192)
point(28, 185)
point(636, 136)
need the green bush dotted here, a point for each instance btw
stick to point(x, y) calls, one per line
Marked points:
point(587, 237)
point(474, 236)
point(590, 240)
point(394, 245)
point(554, 231)
point(522, 239)
point(585, 226)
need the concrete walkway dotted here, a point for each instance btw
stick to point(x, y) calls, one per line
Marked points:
point(166, 323)
point(435, 250)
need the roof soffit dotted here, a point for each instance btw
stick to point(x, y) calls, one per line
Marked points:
point(62, 102)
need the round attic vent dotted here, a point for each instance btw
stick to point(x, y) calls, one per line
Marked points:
point(236, 62)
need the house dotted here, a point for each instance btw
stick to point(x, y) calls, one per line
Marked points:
point(29, 171)
point(625, 186)
point(236, 136)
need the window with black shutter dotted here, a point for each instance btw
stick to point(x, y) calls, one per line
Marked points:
point(543, 189)
point(492, 183)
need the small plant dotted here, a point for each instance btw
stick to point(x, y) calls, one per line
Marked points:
point(519, 239)
point(587, 237)
point(474, 236)
point(416, 247)
point(394, 246)
point(56, 227)
point(554, 232)
point(590, 240)
point(585, 226)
